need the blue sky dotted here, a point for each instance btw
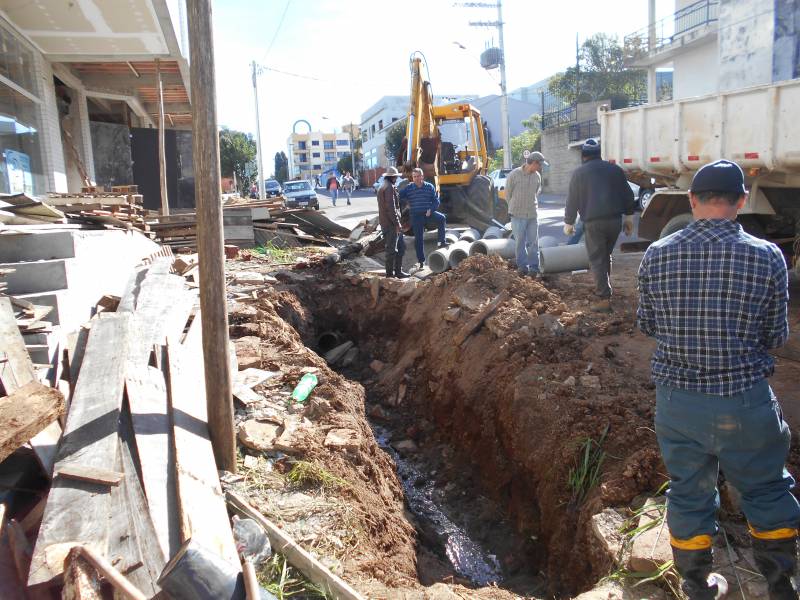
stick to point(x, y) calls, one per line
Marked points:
point(352, 52)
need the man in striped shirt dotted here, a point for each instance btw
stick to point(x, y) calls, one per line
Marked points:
point(422, 204)
point(715, 298)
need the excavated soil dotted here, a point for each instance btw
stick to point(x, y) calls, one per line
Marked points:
point(490, 427)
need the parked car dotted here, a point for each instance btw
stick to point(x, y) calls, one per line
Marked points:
point(272, 188)
point(300, 194)
point(498, 178)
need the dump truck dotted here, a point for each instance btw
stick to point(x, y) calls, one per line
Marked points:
point(660, 147)
point(447, 142)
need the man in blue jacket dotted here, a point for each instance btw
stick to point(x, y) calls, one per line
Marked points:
point(422, 202)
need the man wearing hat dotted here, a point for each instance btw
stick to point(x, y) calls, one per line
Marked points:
point(600, 193)
point(715, 298)
point(389, 218)
point(523, 186)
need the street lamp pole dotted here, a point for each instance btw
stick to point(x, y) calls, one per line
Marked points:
point(504, 94)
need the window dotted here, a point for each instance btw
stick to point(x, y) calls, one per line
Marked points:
point(343, 142)
point(318, 167)
point(315, 142)
point(328, 145)
point(330, 156)
point(380, 124)
point(315, 155)
point(303, 157)
point(371, 131)
point(342, 154)
point(394, 119)
point(301, 145)
point(363, 136)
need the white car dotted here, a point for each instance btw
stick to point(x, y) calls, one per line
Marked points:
point(498, 178)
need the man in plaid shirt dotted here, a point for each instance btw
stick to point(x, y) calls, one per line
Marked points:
point(715, 298)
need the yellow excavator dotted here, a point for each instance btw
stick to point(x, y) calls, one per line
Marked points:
point(447, 142)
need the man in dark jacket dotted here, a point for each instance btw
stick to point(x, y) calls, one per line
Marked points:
point(600, 193)
point(389, 218)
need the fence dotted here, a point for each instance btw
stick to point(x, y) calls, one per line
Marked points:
point(670, 29)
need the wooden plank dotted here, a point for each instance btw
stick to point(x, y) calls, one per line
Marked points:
point(17, 369)
point(10, 584)
point(90, 474)
point(45, 446)
point(26, 412)
point(90, 439)
point(203, 516)
point(294, 553)
point(476, 321)
point(34, 517)
point(81, 580)
point(147, 395)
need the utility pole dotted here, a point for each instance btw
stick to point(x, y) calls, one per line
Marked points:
point(353, 153)
point(504, 95)
point(259, 155)
point(213, 301)
point(502, 63)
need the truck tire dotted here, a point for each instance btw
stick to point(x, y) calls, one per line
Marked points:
point(480, 202)
point(675, 224)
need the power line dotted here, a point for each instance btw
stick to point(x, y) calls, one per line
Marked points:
point(309, 77)
point(278, 29)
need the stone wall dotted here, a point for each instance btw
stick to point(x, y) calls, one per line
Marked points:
point(563, 159)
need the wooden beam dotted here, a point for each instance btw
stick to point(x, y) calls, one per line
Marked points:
point(26, 412)
point(297, 556)
point(91, 438)
point(90, 474)
point(162, 156)
point(476, 321)
point(203, 516)
point(213, 300)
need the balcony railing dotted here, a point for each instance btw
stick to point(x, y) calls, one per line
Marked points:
point(670, 29)
point(583, 130)
point(555, 118)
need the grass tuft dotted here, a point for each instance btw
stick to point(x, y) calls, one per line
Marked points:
point(275, 253)
point(585, 475)
point(307, 475)
point(284, 581)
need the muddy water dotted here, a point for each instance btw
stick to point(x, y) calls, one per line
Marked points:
point(467, 557)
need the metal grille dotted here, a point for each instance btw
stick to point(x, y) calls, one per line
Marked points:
point(584, 130)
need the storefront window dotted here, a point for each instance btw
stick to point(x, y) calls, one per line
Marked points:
point(20, 145)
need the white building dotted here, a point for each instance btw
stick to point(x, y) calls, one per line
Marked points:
point(316, 152)
point(376, 120)
point(61, 62)
point(718, 45)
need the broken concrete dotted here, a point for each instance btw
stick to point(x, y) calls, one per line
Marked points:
point(258, 435)
point(651, 549)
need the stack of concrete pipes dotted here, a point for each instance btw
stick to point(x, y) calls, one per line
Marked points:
point(497, 241)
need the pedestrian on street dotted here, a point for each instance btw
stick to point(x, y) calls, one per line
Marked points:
point(348, 184)
point(600, 193)
point(523, 186)
point(715, 298)
point(389, 218)
point(333, 187)
point(423, 201)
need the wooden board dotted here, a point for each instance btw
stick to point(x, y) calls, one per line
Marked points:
point(90, 474)
point(17, 369)
point(45, 446)
point(477, 320)
point(147, 396)
point(25, 413)
point(90, 439)
point(203, 515)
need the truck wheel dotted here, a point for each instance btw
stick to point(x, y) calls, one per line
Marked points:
point(480, 200)
point(676, 223)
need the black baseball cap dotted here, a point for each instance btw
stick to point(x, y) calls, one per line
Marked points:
point(719, 176)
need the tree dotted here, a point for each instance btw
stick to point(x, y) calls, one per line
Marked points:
point(394, 140)
point(602, 75)
point(281, 167)
point(527, 140)
point(345, 164)
point(236, 150)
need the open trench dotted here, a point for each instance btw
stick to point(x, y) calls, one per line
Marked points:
point(483, 434)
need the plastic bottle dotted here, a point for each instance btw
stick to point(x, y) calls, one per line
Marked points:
point(303, 389)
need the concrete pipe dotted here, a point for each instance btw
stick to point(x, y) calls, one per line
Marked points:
point(493, 233)
point(470, 235)
point(328, 340)
point(458, 252)
point(507, 231)
point(563, 258)
point(503, 248)
point(439, 261)
point(547, 241)
point(450, 236)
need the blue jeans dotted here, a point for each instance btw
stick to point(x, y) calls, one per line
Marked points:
point(334, 195)
point(746, 436)
point(526, 234)
point(418, 223)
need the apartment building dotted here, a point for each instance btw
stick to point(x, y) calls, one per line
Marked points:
point(315, 153)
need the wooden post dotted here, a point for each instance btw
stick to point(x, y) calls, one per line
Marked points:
point(219, 398)
point(162, 152)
